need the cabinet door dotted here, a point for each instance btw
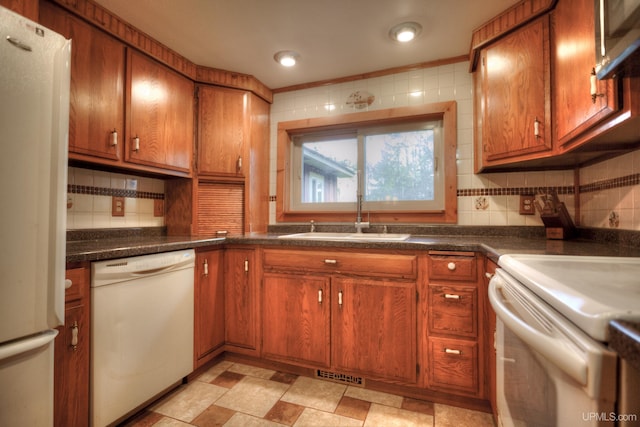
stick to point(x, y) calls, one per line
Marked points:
point(209, 304)
point(240, 299)
point(515, 85)
point(71, 369)
point(222, 130)
point(374, 328)
point(296, 324)
point(97, 85)
point(160, 116)
point(574, 58)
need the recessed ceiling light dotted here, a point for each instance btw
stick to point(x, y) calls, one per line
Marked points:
point(286, 58)
point(405, 32)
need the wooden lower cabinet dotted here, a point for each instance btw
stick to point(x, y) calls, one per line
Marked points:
point(209, 325)
point(296, 319)
point(455, 335)
point(71, 349)
point(327, 309)
point(374, 328)
point(241, 301)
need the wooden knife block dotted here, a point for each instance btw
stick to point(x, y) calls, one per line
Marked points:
point(558, 224)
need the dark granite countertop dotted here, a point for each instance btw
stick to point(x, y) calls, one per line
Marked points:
point(93, 245)
point(625, 340)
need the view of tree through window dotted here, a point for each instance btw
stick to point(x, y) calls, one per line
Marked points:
point(399, 166)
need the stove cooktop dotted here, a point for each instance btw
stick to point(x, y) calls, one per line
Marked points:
point(588, 290)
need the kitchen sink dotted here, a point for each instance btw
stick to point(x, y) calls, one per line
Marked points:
point(348, 237)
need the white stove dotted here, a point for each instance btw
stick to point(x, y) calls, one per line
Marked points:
point(553, 366)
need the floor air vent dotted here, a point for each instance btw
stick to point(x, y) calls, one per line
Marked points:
point(339, 378)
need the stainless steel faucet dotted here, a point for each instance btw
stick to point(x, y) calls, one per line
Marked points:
point(359, 224)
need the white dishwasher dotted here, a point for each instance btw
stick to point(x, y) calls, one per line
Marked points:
point(141, 330)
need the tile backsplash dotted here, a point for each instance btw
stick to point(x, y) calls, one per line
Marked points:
point(90, 194)
point(486, 199)
point(609, 192)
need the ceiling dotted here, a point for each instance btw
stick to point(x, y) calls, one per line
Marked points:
point(334, 38)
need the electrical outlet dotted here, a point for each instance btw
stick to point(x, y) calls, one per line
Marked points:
point(117, 206)
point(158, 207)
point(526, 204)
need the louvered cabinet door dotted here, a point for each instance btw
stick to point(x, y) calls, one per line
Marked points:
point(220, 208)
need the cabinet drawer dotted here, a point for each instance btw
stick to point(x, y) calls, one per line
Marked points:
point(77, 282)
point(453, 310)
point(364, 263)
point(452, 267)
point(454, 365)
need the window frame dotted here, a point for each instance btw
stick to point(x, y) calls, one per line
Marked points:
point(444, 111)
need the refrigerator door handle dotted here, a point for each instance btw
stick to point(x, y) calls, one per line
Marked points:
point(22, 346)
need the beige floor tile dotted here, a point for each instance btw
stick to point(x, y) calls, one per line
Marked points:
point(244, 420)
point(314, 418)
point(211, 373)
point(170, 422)
point(386, 416)
point(313, 393)
point(253, 371)
point(253, 396)
point(450, 416)
point(374, 396)
point(189, 401)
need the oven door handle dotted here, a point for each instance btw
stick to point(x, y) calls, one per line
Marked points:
point(552, 348)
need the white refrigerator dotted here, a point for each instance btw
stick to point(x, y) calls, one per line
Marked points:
point(34, 121)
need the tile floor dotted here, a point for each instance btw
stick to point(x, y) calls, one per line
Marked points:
point(234, 394)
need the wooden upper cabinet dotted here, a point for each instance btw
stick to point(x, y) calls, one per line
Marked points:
point(513, 120)
point(97, 86)
point(574, 59)
point(223, 127)
point(160, 117)
point(26, 8)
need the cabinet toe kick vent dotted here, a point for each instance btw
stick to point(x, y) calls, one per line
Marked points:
point(339, 378)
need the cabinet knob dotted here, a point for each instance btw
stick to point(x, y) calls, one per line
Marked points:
point(68, 283)
point(451, 266)
point(240, 163)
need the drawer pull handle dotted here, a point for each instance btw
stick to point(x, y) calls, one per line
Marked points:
point(452, 296)
point(451, 266)
point(114, 138)
point(246, 265)
point(206, 268)
point(330, 261)
point(452, 351)
point(67, 283)
point(340, 299)
point(319, 296)
point(74, 336)
point(136, 144)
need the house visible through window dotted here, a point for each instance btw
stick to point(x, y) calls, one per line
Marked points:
point(393, 167)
